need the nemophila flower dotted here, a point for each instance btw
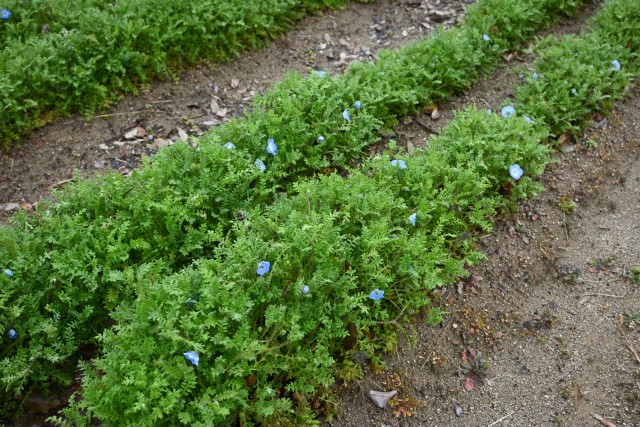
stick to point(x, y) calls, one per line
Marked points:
point(573, 91)
point(535, 76)
point(321, 73)
point(489, 111)
point(399, 163)
point(305, 290)
point(412, 218)
point(508, 111)
point(5, 14)
point(486, 37)
point(8, 272)
point(272, 148)
point(260, 165)
point(358, 105)
point(263, 268)
point(376, 294)
point(13, 334)
point(515, 171)
point(346, 116)
point(229, 145)
point(192, 357)
point(407, 189)
point(528, 120)
point(321, 138)
point(615, 65)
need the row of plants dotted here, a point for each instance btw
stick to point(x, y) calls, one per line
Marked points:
point(61, 56)
point(178, 227)
point(75, 261)
point(254, 333)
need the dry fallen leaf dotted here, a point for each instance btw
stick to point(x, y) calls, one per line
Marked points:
point(429, 108)
point(214, 107)
point(410, 148)
point(234, 83)
point(222, 112)
point(182, 134)
point(435, 113)
point(468, 384)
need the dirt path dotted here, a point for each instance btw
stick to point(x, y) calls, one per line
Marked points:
point(534, 334)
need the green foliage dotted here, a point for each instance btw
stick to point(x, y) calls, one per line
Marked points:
point(577, 75)
point(167, 257)
point(340, 237)
point(93, 51)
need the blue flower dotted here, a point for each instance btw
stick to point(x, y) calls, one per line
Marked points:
point(346, 116)
point(229, 145)
point(321, 73)
point(376, 294)
point(13, 334)
point(5, 14)
point(321, 138)
point(407, 189)
point(412, 218)
point(358, 105)
point(535, 76)
point(8, 272)
point(508, 111)
point(528, 120)
point(305, 290)
point(193, 299)
point(399, 163)
point(616, 65)
point(260, 165)
point(263, 268)
point(489, 111)
point(486, 37)
point(272, 148)
point(515, 171)
point(192, 357)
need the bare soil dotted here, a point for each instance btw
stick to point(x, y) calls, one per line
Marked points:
point(546, 332)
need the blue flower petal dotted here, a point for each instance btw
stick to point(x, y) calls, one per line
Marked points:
point(8, 272)
point(321, 73)
point(272, 148)
point(515, 171)
point(615, 65)
point(13, 334)
point(528, 120)
point(486, 37)
point(508, 111)
point(358, 105)
point(412, 218)
point(535, 76)
point(192, 357)
point(399, 163)
point(376, 294)
point(346, 116)
point(263, 268)
point(229, 145)
point(260, 165)
point(321, 138)
point(305, 290)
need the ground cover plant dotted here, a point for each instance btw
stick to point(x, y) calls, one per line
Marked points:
point(154, 269)
point(82, 56)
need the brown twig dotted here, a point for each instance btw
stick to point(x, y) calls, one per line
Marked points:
point(60, 183)
point(603, 421)
point(603, 295)
point(438, 343)
point(626, 340)
point(497, 421)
